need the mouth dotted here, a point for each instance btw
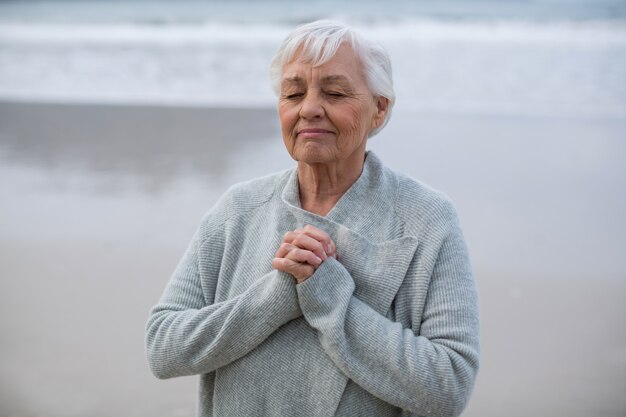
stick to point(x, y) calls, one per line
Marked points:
point(313, 133)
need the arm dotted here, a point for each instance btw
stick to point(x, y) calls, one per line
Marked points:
point(186, 334)
point(429, 373)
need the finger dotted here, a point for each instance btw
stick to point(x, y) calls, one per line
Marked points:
point(303, 255)
point(300, 271)
point(328, 245)
point(287, 250)
point(304, 241)
point(281, 264)
point(284, 249)
point(290, 236)
point(291, 266)
point(322, 237)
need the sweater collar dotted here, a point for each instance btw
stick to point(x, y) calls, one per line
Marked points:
point(371, 196)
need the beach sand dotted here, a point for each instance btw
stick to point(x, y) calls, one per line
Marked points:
point(98, 203)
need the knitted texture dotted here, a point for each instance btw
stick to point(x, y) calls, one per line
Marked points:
point(390, 328)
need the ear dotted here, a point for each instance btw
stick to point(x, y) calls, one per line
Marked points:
point(382, 106)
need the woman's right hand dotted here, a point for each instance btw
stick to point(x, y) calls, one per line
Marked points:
point(302, 251)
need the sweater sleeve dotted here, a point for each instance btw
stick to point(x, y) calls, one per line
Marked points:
point(430, 373)
point(187, 334)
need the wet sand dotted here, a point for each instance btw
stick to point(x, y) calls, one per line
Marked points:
point(97, 204)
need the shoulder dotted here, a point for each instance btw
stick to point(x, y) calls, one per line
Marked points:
point(242, 198)
point(422, 207)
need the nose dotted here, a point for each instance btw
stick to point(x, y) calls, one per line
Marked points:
point(312, 107)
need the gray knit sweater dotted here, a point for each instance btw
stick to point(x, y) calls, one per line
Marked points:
point(388, 329)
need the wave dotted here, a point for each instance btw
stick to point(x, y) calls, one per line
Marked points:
point(462, 66)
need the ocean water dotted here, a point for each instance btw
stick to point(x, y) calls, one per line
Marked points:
point(544, 57)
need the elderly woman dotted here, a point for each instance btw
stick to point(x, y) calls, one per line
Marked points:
point(337, 288)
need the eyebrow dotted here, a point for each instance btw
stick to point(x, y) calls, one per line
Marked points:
point(329, 79)
point(296, 79)
point(339, 79)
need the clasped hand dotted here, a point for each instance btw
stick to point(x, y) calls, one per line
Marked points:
point(303, 251)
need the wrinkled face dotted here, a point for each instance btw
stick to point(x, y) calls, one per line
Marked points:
point(326, 112)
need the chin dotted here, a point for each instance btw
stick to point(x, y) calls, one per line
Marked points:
point(314, 154)
point(311, 158)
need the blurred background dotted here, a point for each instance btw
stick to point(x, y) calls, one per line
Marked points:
point(122, 122)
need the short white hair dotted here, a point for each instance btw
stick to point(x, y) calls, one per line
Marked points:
point(318, 42)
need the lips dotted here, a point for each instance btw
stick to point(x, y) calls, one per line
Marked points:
point(313, 132)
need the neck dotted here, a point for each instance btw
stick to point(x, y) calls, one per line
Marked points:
point(323, 184)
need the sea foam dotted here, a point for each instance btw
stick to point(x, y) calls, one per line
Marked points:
point(558, 67)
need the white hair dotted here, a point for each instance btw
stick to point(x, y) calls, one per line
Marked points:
point(318, 42)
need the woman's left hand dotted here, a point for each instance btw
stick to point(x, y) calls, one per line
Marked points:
point(302, 251)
